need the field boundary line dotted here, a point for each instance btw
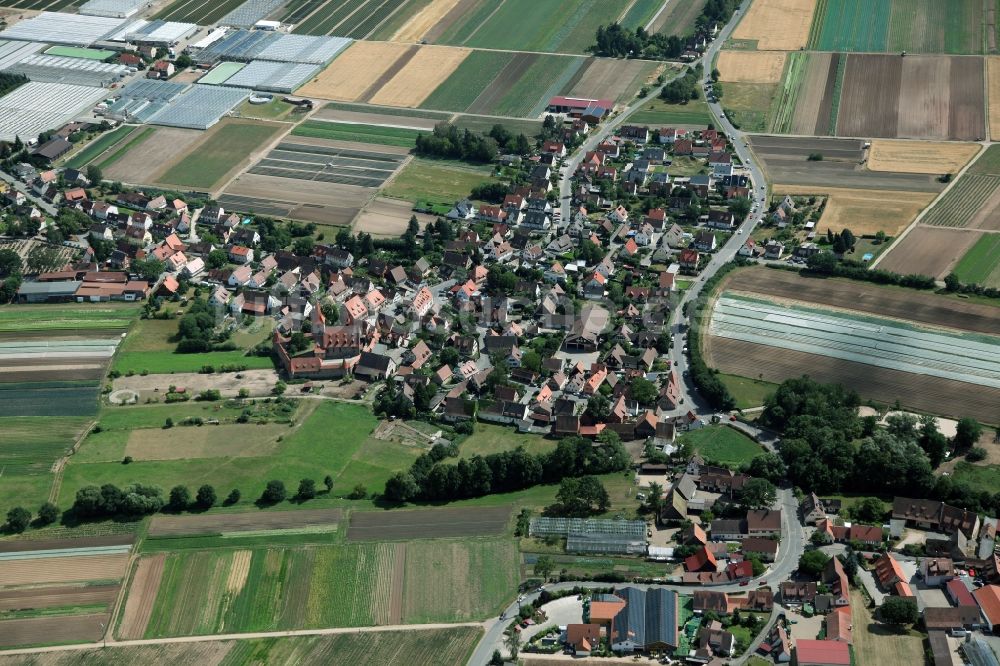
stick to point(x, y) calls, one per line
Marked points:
point(60, 464)
point(485, 21)
point(628, 8)
point(983, 147)
point(656, 16)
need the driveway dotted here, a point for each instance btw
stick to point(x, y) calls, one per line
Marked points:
point(568, 610)
point(869, 583)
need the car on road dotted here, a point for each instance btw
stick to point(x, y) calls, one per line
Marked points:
point(744, 583)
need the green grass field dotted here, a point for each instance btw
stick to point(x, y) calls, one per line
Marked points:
point(385, 136)
point(28, 447)
point(988, 163)
point(276, 109)
point(496, 439)
point(432, 647)
point(747, 104)
point(436, 181)
point(981, 264)
point(657, 113)
point(74, 52)
point(641, 13)
point(343, 585)
point(466, 83)
point(543, 79)
point(222, 153)
point(851, 25)
point(747, 392)
point(167, 362)
point(983, 478)
point(63, 317)
point(929, 26)
point(92, 150)
point(723, 444)
point(557, 26)
point(325, 442)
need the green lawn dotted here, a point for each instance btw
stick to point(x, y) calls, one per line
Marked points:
point(276, 109)
point(980, 264)
point(436, 181)
point(384, 136)
point(221, 154)
point(658, 113)
point(562, 26)
point(496, 439)
point(102, 143)
point(723, 444)
point(168, 362)
point(978, 477)
point(748, 392)
point(324, 443)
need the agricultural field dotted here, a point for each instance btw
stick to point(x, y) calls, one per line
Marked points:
point(197, 11)
point(348, 585)
point(678, 18)
point(917, 97)
point(357, 19)
point(469, 82)
point(435, 182)
point(427, 523)
point(130, 163)
point(658, 113)
point(234, 523)
point(864, 211)
point(932, 251)
point(750, 67)
point(428, 647)
point(305, 451)
point(422, 73)
point(970, 203)
point(334, 163)
point(914, 26)
point(617, 80)
point(223, 151)
point(360, 67)
point(931, 157)
point(723, 444)
point(559, 26)
point(913, 313)
point(100, 146)
point(988, 163)
point(777, 25)
point(489, 439)
point(364, 114)
point(808, 98)
point(993, 95)
point(981, 264)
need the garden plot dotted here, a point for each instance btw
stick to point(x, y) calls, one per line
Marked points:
point(344, 166)
point(879, 342)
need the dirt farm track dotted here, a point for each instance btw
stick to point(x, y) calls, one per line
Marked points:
point(934, 395)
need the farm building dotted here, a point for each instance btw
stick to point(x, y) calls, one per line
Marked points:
point(12, 53)
point(579, 107)
point(78, 71)
point(36, 107)
point(648, 622)
point(174, 104)
point(246, 45)
point(59, 28)
point(281, 77)
point(113, 8)
point(247, 14)
point(594, 536)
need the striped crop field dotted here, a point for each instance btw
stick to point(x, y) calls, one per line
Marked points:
point(981, 264)
point(851, 25)
point(788, 92)
point(958, 206)
point(469, 82)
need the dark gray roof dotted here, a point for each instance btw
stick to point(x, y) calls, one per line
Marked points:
point(649, 618)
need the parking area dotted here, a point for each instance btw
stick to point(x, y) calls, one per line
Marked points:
point(329, 164)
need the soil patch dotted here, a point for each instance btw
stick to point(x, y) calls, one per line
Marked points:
point(388, 218)
point(257, 382)
point(196, 525)
point(52, 597)
point(869, 103)
point(49, 630)
point(932, 251)
point(167, 143)
point(62, 569)
point(22, 545)
point(331, 204)
point(751, 66)
point(427, 523)
point(141, 597)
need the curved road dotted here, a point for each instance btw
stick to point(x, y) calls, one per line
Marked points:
point(793, 539)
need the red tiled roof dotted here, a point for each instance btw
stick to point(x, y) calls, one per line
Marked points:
point(988, 598)
point(827, 653)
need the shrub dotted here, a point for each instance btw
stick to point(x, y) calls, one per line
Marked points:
point(206, 498)
point(48, 513)
point(18, 519)
point(180, 498)
point(975, 454)
point(233, 497)
point(274, 492)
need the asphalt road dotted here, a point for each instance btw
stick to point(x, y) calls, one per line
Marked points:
point(792, 544)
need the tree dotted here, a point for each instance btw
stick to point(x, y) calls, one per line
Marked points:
point(934, 444)
point(328, 482)
point(48, 513)
point(307, 489)
point(513, 643)
point(274, 492)
point(233, 497)
point(10, 263)
point(655, 499)
point(148, 269)
point(43, 258)
point(898, 611)
point(967, 433)
point(758, 494)
point(401, 487)
point(359, 492)
point(303, 246)
point(768, 466)
point(18, 519)
point(279, 388)
point(544, 566)
point(206, 497)
point(94, 174)
point(496, 659)
point(180, 498)
point(599, 407)
point(644, 391)
point(217, 259)
point(870, 510)
point(951, 282)
point(581, 497)
point(813, 562)
point(756, 565)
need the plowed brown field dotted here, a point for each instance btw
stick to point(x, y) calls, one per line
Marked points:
point(141, 596)
point(63, 569)
point(932, 251)
point(238, 522)
point(51, 630)
point(51, 597)
point(427, 523)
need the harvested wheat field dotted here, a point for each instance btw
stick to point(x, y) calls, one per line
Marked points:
point(169, 144)
point(751, 66)
point(993, 95)
point(420, 23)
point(425, 71)
point(777, 25)
point(933, 157)
point(864, 211)
point(352, 72)
point(141, 597)
point(932, 251)
point(388, 218)
point(62, 569)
